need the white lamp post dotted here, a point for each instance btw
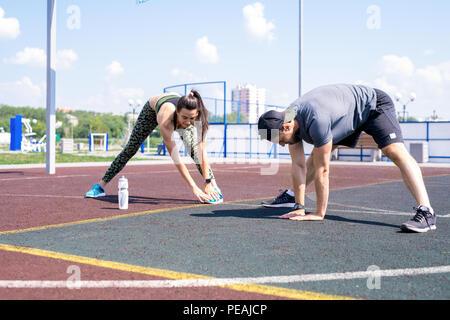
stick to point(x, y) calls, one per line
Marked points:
point(134, 105)
point(398, 98)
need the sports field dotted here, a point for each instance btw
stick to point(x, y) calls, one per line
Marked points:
point(55, 244)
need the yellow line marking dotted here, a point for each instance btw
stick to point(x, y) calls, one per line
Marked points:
point(135, 214)
point(72, 223)
point(168, 274)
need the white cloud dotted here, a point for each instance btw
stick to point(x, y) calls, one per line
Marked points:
point(383, 84)
point(131, 93)
point(21, 93)
point(186, 76)
point(206, 52)
point(255, 22)
point(65, 59)
point(431, 84)
point(445, 70)
point(430, 74)
point(36, 57)
point(182, 74)
point(175, 72)
point(113, 99)
point(392, 64)
point(9, 27)
point(115, 68)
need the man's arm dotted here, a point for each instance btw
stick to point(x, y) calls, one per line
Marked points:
point(298, 171)
point(321, 165)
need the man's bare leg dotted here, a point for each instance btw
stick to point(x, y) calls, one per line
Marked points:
point(411, 173)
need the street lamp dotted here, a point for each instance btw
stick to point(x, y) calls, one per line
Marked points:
point(412, 97)
point(134, 106)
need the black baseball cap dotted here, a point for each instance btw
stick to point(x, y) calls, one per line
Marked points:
point(271, 122)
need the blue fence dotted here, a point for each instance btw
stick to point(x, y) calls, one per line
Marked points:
point(231, 135)
point(241, 140)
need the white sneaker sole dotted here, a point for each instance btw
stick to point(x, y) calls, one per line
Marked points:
point(421, 230)
point(97, 196)
point(214, 202)
point(281, 205)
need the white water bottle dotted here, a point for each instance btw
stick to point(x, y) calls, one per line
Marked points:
point(123, 193)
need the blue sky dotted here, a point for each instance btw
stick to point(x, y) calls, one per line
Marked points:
point(116, 50)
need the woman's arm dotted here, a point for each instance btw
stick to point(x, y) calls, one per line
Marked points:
point(166, 126)
point(206, 170)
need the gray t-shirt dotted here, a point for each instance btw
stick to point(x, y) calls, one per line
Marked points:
point(333, 112)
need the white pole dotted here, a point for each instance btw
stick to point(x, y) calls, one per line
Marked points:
point(300, 48)
point(51, 77)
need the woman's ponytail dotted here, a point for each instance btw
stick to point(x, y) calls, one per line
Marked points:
point(193, 101)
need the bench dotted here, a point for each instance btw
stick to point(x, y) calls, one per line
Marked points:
point(365, 142)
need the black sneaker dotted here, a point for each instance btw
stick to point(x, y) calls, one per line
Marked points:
point(284, 200)
point(423, 221)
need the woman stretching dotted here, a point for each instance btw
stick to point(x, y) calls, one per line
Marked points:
point(172, 113)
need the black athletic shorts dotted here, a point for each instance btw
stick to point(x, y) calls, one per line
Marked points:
point(382, 124)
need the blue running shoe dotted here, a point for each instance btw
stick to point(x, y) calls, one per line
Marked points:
point(95, 192)
point(213, 201)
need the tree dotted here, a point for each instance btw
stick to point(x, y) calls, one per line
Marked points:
point(88, 121)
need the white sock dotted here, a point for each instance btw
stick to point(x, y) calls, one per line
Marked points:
point(429, 209)
point(291, 193)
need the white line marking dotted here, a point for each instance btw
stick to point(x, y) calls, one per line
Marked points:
point(90, 175)
point(363, 211)
point(47, 177)
point(40, 196)
point(395, 213)
point(85, 175)
point(360, 207)
point(379, 211)
point(37, 284)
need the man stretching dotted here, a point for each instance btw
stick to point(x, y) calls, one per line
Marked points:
point(334, 115)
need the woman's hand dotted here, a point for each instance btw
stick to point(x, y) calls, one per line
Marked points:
point(200, 194)
point(209, 190)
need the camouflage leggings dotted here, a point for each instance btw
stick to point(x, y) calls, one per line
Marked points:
point(145, 124)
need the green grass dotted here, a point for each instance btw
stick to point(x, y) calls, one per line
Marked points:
point(39, 157)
